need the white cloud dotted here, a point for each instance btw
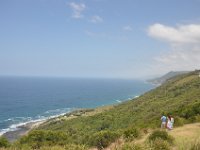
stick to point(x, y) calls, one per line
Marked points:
point(184, 42)
point(127, 28)
point(96, 19)
point(77, 9)
point(181, 34)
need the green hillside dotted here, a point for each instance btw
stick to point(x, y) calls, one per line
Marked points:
point(179, 97)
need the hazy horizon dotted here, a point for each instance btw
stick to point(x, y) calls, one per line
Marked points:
point(127, 39)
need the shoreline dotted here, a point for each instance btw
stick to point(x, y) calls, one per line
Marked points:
point(22, 130)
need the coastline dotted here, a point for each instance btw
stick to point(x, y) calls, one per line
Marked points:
point(17, 123)
point(22, 130)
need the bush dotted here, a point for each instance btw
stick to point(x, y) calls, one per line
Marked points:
point(192, 119)
point(103, 139)
point(131, 133)
point(159, 144)
point(163, 135)
point(191, 111)
point(4, 142)
point(178, 122)
point(39, 138)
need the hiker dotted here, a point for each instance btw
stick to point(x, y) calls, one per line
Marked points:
point(163, 121)
point(169, 123)
point(172, 122)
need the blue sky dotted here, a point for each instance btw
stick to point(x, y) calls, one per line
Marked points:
point(98, 38)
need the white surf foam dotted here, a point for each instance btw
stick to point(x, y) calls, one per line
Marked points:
point(136, 96)
point(25, 120)
point(118, 101)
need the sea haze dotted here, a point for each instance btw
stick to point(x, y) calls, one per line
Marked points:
point(25, 99)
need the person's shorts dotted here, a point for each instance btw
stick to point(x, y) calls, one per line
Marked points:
point(163, 124)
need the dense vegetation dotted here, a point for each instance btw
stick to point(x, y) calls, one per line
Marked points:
point(179, 97)
point(4, 142)
point(163, 135)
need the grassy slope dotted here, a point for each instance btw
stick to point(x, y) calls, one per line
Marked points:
point(178, 96)
point(186, 136)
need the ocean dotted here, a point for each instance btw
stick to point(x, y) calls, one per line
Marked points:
point(31, 99)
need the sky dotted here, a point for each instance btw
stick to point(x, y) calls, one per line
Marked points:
point(98, 38)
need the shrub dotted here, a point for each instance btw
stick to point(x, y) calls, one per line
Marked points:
point(191, 111)
point(131, 133)
point(198, 118)
point(192, 119)
point(4, 142)
point(161, 135)
point(159, 144)
point(178, 122)
point(103, 139)
point(38, 138)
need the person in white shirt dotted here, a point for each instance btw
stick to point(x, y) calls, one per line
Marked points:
point(172, 122)
point(169, 123)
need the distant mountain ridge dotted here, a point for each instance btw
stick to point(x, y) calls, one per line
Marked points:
point(164, 78)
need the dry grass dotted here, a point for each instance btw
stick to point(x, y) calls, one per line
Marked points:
point(186, 136)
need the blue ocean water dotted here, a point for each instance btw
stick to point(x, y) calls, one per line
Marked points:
point(26, 99)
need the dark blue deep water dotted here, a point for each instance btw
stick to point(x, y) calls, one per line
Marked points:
point(25, 99)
